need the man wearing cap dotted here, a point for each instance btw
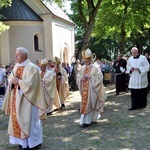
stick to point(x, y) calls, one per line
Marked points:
point(90, 83)
point(138, 67)
point(61, 81)
point(24, 103)
point(48, 80)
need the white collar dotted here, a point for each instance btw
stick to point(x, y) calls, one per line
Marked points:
point(23, 63)
point(89, 66)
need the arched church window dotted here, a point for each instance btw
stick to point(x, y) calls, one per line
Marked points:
point(37, 43)
point(65, 54)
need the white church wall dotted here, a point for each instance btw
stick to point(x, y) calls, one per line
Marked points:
point(4, 48)
point(56, 35)
point(63, 37)
point(22, 35)
point(48, 36)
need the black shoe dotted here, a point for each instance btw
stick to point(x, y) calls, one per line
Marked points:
point(85, 125)
point(49, 113)
point(63, 105)
point(20, 148)
point(36, 147)
point(117, 94)
point(56, 109)
point(132, 108)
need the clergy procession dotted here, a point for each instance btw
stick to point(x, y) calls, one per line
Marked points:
point(36, 91)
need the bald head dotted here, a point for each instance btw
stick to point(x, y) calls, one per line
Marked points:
point(134, 51)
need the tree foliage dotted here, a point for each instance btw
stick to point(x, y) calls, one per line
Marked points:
point(3, 27)
point(121, 19)
point(5, 3)
point(84, 15)
point(118, 25)
point(60, 3)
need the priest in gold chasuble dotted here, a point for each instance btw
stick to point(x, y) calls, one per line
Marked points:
point(90, 83)
point(61, 81)
point(48, 81)
point(24, 103)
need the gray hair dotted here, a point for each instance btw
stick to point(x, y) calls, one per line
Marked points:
point(23, 50)
point(134, 49)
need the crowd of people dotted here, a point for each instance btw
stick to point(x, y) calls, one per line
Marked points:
point(42, 88)
point(4, 73)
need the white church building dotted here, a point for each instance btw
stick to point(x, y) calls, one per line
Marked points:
point(42, 28)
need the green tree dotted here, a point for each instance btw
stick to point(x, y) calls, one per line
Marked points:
point(3, 27)
point(84, 14)
point(6, 3)
point(60, 3)
point(121, 19)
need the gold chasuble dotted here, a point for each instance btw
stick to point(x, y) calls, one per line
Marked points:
point(49, 88)
point(62, 84)
point(91, 90)
point(85, 87)
point(42, 76)
point(20, 99)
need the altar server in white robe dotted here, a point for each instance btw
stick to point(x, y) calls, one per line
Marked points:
point(24, 103)
point(90, 83)
point(138, 67)
point(48, 80)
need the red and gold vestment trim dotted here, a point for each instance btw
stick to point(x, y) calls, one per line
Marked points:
point(85, 87)
point(16, 127)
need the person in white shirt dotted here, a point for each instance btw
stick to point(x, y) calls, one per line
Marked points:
point(138, 67)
